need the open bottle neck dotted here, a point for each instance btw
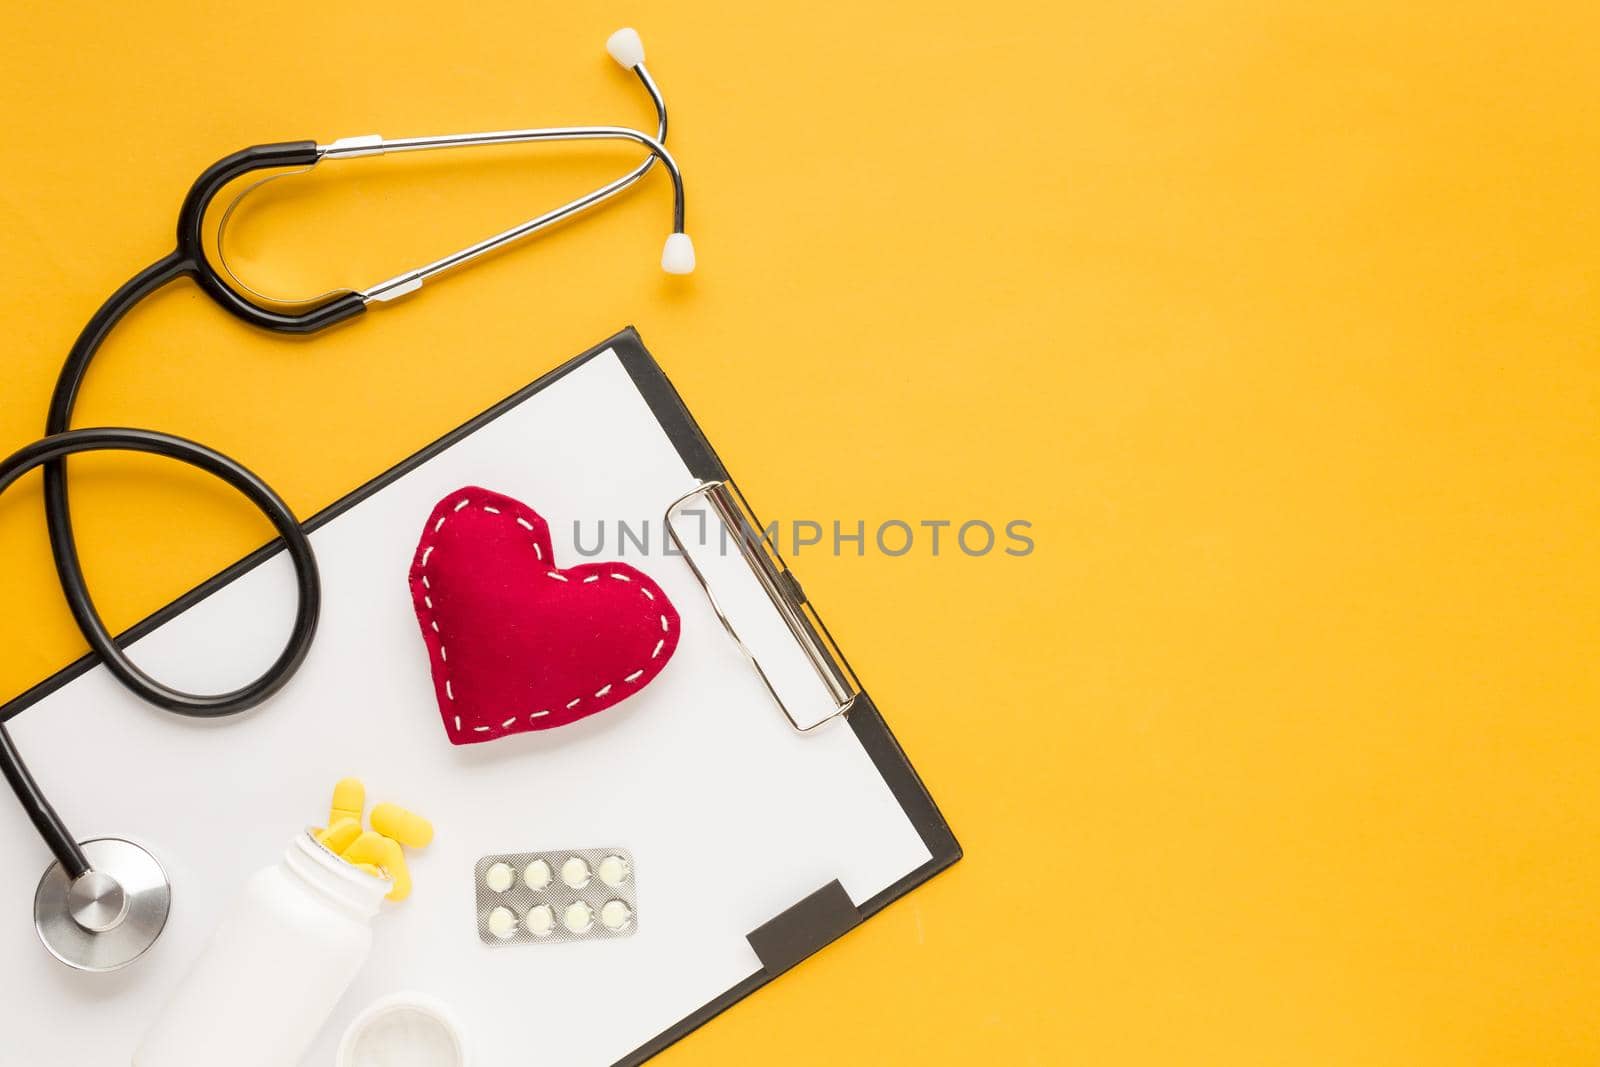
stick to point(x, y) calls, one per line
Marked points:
point(350, 889)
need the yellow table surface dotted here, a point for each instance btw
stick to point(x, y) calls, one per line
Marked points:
point(1276, 320)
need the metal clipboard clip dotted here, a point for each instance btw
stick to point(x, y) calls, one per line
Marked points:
point(759, 553)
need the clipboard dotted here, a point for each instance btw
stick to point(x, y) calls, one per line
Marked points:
point(785, 646)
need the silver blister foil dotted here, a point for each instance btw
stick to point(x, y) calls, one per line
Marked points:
point(520, 900)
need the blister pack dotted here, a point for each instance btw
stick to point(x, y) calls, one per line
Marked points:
point(577, 894)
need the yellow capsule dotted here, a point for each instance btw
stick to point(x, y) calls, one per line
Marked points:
point(368, 847)
point(349, 800)
point(395, 866)
point(339, 836)
point(406, 827)
point(372, 848)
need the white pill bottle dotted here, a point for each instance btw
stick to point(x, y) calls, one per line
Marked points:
point(283, 954)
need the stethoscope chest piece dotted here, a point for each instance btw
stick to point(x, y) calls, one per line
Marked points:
point(110, 916)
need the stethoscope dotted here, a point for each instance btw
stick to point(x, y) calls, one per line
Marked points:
point(102, 903)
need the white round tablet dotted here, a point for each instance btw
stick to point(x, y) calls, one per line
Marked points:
point(578, 917)
point(540, 920)
point(502, 923)
point(499, 877)
point(613, 871)
point(537, 875)
point(575, 872)
point(616, 914)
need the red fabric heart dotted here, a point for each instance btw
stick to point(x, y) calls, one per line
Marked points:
point(517, 643)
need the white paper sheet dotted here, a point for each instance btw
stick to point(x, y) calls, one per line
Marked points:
point(731, 816)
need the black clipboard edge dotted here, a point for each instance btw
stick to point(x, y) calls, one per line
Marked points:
point(686, 436)
point(882, 747)
point(907, 787)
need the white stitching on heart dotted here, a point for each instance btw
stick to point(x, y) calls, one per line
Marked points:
point(444, 657)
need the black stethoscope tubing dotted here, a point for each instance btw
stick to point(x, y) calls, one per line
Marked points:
point(50, 452)
point(188, 260)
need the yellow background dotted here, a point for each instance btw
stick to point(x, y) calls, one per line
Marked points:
point(1278, 320)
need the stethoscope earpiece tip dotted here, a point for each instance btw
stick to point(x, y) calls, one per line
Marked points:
point(677, 256)
point(626, 48)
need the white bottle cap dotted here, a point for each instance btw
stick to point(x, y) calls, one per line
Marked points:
point(404, 1029)
point(678, 255)
point(626, 48)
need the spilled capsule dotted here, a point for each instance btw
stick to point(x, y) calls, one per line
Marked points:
point(406, 827)
point(349, 800)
